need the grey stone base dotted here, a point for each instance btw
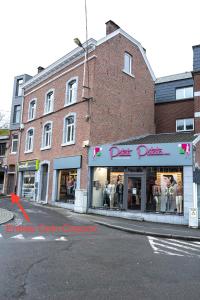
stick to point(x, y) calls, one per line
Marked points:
point(5, 216)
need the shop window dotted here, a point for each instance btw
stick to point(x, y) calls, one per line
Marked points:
point(29, 140)
point(32, 110)
point(49, 102)
point(14, 143)
point(71, 91)
point(47, 136)
point(67, 183)
point(108, 188)
point(165, 190)
point(184, 93)
point(185, 125)
point(28, 184)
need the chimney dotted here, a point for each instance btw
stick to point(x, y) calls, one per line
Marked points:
point(40, 69)
point(111, 27)
point(196, 58)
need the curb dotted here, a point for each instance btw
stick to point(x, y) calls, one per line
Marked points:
point(149, 233)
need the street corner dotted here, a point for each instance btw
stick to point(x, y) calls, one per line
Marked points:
point(5, 216)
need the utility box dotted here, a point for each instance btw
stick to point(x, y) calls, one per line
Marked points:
point(193, 217)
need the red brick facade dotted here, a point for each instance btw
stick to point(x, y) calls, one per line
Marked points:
point(121, 106)
point(166, 114)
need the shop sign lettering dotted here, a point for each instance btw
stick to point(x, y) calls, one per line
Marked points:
point(119, 152)
point(143, 150)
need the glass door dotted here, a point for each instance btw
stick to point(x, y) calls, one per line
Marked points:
point(135, 191)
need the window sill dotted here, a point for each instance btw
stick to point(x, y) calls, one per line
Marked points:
point(13, 153)
point(67, 144)
point(29, 151)
point(45, 148)
point(30, 120)
point(47, 113)
point(185, 130)
point(131, 75)
point(69, 104)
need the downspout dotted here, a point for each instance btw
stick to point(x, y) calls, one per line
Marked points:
point(19, 145)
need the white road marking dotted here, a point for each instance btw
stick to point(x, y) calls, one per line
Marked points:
point(38, 238)
point(19, 236)
point(62, 238)
point(173, 247)
point(1, 235)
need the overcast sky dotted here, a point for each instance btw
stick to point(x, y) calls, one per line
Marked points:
point(39, 32)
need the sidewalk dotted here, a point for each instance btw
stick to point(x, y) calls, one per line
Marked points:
point(5, 216)
point(180, 232)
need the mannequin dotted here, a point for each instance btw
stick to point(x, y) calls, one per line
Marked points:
point(111, 193)
point(156, 191)
point(119, 191)
point(179, 199)
point(106, 194)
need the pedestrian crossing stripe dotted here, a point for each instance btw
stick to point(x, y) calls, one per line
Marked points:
point(20, 237)
point(38, 238)
point(174, 247)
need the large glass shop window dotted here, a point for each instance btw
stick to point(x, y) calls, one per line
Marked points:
point(108, 188)
point(67, 181)
point(165, 190)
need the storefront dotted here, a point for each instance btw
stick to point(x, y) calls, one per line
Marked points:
point(66, 179)
point(148, 181)
point(28, 179)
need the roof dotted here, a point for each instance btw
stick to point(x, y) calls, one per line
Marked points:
point(174, 77)
point(179, 137)
point(78, 53)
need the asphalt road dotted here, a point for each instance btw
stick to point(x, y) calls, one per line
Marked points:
point(106, 264)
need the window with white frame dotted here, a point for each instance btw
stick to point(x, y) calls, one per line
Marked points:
point(32, 110)
point(49, 99)
point(47, 136)
point(71, 91)
point(29, 140)
point(185, 125)
point(128, 59)
point(69, 130)
point(184, 93)
point(19, 84)
point(14, 143)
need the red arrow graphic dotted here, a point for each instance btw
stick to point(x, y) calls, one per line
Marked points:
point(16, 200)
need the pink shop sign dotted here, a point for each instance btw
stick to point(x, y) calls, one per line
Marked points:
point(119, 152)
point(143, 150)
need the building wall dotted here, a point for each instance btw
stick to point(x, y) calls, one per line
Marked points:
point(166, 114)
point(57, 117)
point(196, 76)
point(123, 106)
point(166, 92)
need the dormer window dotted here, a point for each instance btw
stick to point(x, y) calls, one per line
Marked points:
point(184, 93)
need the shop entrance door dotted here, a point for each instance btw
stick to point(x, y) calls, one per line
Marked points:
point(10, 185)
point(135, 191)
point(44, 182)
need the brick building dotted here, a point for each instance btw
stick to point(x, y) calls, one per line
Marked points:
point(98, 132)
point(73, 104)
